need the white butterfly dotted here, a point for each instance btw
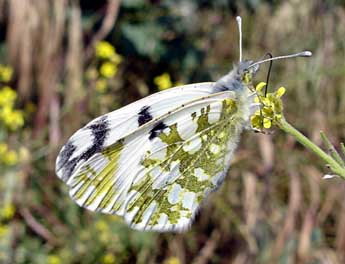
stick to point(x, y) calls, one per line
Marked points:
point(155, 160)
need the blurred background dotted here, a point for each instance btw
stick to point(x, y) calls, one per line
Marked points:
point(65, 62)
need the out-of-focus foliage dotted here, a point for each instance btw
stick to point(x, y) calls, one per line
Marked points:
point(66, 62)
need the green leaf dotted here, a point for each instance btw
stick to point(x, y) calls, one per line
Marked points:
point(146, 38)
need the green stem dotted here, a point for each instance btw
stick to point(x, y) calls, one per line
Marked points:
point(333, 164)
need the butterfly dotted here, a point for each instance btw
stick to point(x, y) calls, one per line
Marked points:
point(155, 160)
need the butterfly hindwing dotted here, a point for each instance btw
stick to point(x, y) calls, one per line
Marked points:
point(157, 176)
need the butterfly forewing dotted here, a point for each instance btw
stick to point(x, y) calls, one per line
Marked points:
point(109, 128)
point(157, 176)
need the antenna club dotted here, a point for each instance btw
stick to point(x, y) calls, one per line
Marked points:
point(239, 24)
point(306, 53)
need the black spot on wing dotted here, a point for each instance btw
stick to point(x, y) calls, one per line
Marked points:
point(68, 168)
point(144, 115)
point(156, 130)
point(65, 154)
point(99, 131)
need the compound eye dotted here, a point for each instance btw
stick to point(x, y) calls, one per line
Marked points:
point(245, 71)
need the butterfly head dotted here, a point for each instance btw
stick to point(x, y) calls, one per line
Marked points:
point(240, 77)
point(246, 72)
point(242, 74)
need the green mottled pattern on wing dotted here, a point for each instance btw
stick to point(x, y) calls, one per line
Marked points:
point(90, 183)
point(209, 159)
point(171, 186)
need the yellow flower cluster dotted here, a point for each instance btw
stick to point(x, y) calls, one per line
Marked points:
point(6, 73)
point(109, 258)
point(10, 117)
point(103, 231)
point(7, 156)
point(102, 226)
point(104, 50)
point(7, 211)
point(8, 96)
point(109, 63)
point(10, 157)
point(172, 260)
point(164, 82)
point(54, 259)
point(271, 110)
point(108, 69)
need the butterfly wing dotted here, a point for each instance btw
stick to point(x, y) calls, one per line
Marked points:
point(157, 175)
point(109, 128)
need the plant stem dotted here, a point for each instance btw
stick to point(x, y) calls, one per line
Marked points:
point(333, 164)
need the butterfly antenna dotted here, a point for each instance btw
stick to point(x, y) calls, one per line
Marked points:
point(239, 25)
point(269, 72)
point(300, 54)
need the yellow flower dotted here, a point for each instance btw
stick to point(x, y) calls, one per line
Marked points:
point(10, 158)
point(104, 50)
point(163, 81)
point(271, 109)
point(6, 73)
point(5, 111)
point(108, 69)
point(101, 85)
point(54, 259)
point(8, 211)
point(260, 86)
point(3, 230)
point(280, 92)
point(256, 120)
point(172, 260)
point(17, 120)
point(102, 226)
point(13, 119)
point(267, 123)
point(7, 96)
point(109, 258)
point(116, 58)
